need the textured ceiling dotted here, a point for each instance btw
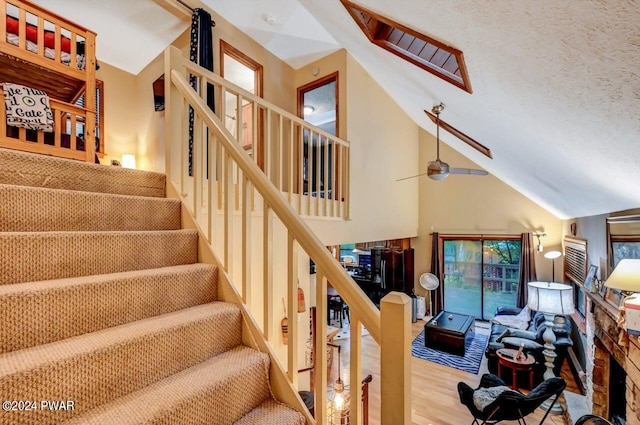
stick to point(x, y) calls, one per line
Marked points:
point(556, 85)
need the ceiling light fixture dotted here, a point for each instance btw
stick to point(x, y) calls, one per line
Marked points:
point(308, 110)
point(270, 19)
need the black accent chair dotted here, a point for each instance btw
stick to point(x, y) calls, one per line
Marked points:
point(592, 420)
point(509, 405)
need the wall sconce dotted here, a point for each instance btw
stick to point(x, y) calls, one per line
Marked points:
point(540, 235)
point(128, 161)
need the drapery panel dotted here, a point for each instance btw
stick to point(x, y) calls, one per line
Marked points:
point(437, 295)
point(200, 52)
point(527, 268)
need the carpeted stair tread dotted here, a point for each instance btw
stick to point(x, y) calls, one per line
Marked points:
point(32, 256)
point(96, 368)
point(217, 391)
point(272, 412)
point(28, 169)
point(63, 308)
point(33, 209)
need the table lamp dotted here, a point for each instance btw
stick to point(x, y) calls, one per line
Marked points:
point(625, 277)
point(551, 299)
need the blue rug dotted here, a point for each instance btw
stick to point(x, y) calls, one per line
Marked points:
point(469, 363)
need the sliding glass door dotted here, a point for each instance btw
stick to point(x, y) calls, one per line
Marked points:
point(480, 274)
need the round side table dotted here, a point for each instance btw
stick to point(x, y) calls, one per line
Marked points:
point(507, 359)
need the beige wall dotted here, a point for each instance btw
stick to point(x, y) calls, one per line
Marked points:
point(120, 110)
point(384, 147)
point(476, 205)
point(134, 127)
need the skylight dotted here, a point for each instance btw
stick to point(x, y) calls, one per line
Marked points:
point(421, 50)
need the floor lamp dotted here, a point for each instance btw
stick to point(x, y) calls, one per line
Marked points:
point(552, 255)
point(552, 299)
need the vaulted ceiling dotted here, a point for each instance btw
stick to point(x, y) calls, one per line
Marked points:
point(556, 85)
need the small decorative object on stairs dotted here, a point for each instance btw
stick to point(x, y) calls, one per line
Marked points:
point(302, 307)
point(285, 325)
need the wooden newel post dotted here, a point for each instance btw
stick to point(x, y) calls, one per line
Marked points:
point(395, 359)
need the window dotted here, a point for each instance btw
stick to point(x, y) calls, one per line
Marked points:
point(575, 270)
point(624, 249)
point(246, 73)
point(318, 105)
point(480, 274)
point(419, 49)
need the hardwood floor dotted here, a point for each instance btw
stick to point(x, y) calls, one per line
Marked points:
point(434, 387)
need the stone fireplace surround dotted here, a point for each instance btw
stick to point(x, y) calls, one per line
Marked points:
point(607, 340)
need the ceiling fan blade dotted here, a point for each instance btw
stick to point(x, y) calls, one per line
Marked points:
point(412, 177)
point(460, 135)
point(468, 171)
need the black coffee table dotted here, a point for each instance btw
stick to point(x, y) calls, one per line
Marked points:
point(449, 332)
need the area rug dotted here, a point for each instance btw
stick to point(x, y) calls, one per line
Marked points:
point(469, 363)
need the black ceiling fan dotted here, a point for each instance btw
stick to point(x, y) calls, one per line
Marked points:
point(439, 170)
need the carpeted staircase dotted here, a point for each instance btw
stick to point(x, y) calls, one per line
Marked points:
point(103, 305)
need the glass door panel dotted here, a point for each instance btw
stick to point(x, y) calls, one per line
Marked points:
point(463, 276)
point(500, 274)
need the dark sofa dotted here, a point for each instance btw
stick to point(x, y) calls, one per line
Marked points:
point(531, 337)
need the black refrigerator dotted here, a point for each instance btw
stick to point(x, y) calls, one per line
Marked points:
point(394, 267)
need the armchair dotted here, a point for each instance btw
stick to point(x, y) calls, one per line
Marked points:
point(507, 405)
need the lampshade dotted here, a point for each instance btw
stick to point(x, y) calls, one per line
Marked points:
point(552, 255)
point(550, 297)
point(626, 276)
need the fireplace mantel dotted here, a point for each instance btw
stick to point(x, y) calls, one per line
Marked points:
point(609, 340)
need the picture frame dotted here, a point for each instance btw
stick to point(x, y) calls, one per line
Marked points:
point(614, 297)
point(588, 281)
point(602, 289)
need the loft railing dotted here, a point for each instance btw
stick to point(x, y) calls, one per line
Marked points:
point(66, 141)
point(307, 164)
point(255, 230)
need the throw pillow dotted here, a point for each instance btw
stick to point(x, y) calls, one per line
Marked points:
point(520, 333)
point(517, 342)
point(482, 397)
point(519, 321)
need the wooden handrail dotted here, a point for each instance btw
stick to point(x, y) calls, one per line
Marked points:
point(338, 276)
point(200, 72)
point(223, 187)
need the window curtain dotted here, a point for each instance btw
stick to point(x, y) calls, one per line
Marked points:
point(437, 295)
point(527, 268)
point(200, 52)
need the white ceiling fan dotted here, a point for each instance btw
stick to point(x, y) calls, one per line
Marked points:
point(439, 170)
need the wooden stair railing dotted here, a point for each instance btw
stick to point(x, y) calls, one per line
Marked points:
point(257, 236)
